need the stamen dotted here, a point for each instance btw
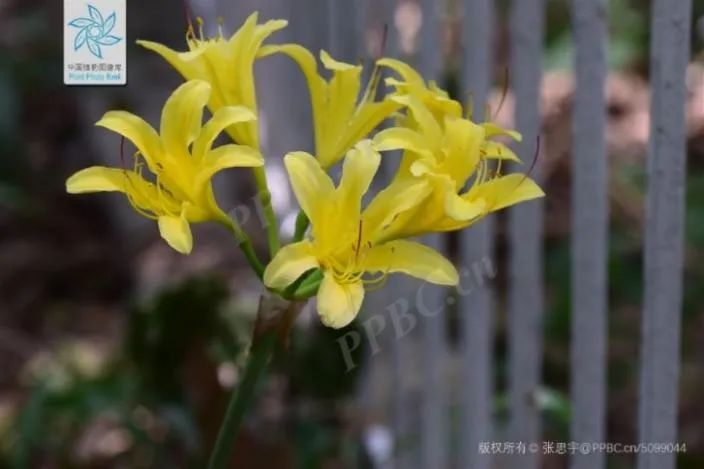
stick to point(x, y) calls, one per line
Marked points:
point(535, 158)
point(221, 22)
point(469, 106)
point(487, 113)
point(504, 93)
point(200, 22)
point(372, 85)
point(384, 41)
point(187, 14)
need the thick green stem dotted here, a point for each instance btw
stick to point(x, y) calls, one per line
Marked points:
point(272, 226)
point(275, 318)
point(241, 400)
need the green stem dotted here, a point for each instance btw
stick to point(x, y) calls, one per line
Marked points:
point(241, 399)
point(272, 226)
point(245, 245)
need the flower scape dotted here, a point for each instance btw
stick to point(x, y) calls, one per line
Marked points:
point(449, 175)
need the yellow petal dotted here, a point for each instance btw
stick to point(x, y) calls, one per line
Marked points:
point(463, 140)
point(332, 64)
point(493, 130)
point(333, 121)
point(459, 209)
point(177, 233)
point(290, 262)
point(228, 156)
point(499, 151)
point(317, 86)
point(411, 258)
point(184, 63)
point(366, 118)
point(312, 186)
point(339, 303)
point(137, 131)
point(142, 195)
point(358, 170)
point(98, 179)
point(406, 71)
point(506, 191)
point(223, 118)
point(397, 198)
point(396, 138)
point(182, 117)
point(427, 124)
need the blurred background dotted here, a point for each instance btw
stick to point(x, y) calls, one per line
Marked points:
point(115, 351)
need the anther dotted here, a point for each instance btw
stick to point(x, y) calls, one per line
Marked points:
point(199, 20)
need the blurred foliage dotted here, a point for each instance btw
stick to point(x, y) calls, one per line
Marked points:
point(136, 397)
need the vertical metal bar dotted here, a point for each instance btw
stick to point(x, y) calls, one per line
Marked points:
point(589, 232)
point(525, 302)
point(664, 232)
point(477, 244)
point(397, 293)
point(434, 403)
point(346, 28)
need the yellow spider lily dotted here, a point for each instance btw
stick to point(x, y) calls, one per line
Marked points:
point(228, 65)
point(442, 107)
point(343, 243)
point(181, 159)
point(447, 155)
point(412, 84)
point(340, 117)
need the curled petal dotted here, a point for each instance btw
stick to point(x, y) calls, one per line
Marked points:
point(137, 131)
point(458, 208)
point(493, 130)
point(332, 64)
point(406, 72)
point(177, 233)
point(505, 191)
point(339, 303)
point(184, 63)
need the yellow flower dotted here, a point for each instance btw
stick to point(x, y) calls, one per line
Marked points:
point(412, 84)
point(228, 65)
point(340, 117)
point(342, 243)
point(447, 155)
point(181, 159)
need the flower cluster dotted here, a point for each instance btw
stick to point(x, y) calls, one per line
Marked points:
point(449, 175)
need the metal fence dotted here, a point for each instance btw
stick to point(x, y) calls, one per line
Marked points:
point(464, 374)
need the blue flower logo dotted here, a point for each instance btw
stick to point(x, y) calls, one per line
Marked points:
point(94, 32)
